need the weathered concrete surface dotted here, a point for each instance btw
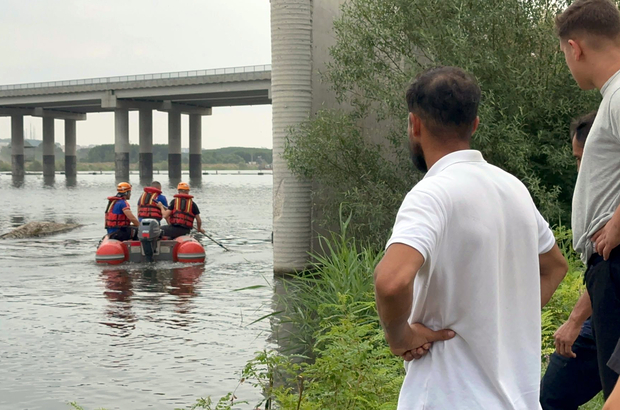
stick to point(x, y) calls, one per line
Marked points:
point(70, 148)
point(291, 92)
point(17, 145)
point(37, 229)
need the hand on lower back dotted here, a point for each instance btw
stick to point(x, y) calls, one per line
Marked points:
point(414, 341)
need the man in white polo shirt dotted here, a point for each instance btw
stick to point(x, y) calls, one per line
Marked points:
point(468, 267)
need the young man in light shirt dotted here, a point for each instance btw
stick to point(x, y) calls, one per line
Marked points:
point(468, 267)
point(589, 32)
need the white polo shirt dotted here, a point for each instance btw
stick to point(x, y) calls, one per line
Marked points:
point(480, 234)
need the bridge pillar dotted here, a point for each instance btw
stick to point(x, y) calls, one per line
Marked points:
point(174, 145)
point(291, 92)
point(17, 145)
point(146, 145)
point(121, 144)
point(195, 146)
point(49, 144)
point(70, 149)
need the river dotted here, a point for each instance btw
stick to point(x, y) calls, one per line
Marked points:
point(133, 336)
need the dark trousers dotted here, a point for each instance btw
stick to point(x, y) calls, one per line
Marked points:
point(568, 383)
point(125, 233)
point(174, 231)
point(603, 283)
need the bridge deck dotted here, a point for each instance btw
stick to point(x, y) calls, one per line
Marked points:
point(200, 89)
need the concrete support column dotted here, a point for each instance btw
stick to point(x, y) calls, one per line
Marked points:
point(291, 91)
point(70, 149)
point(174, 145)
point(146, 145)
point(121, 144)
point(49, 159)
point(17, 145)
point(195, 146)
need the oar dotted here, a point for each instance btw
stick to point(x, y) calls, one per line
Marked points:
point(214, 241)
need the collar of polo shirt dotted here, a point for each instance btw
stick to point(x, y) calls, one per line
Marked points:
point(466, 155)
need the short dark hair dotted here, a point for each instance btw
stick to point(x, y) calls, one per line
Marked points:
point(581, 126)
point(447, 100)
point(590, 17)
point(155, 184)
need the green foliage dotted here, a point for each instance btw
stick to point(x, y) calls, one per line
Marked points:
point(529, 98)
point(565, 297)
point(342, 270)
point(35, 166)
point(5, 166)
point(230, 155)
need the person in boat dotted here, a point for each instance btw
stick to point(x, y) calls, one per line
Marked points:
point(118, 216)
point(148, 204)
point(182, 213)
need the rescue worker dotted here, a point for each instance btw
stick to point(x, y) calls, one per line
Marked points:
point(118, 216)
point(148, 204)
point(183, 210)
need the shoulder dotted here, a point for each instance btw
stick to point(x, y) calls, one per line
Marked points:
point(429, 194)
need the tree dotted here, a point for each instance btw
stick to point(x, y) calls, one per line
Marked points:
point(529, 98)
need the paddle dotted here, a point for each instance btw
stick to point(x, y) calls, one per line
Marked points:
point(214, 241)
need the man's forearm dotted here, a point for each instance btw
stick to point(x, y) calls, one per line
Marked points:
point(553, 268)
point(582, 310)
point(394, 308)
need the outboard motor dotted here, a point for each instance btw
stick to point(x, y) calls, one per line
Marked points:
point(149, 234)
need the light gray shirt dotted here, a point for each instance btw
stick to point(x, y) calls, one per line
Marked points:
point(597, 193)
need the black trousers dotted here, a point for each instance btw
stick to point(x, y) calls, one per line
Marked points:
point(174, 231)
point(569, 383)
point(125, 233)
point(603, 283)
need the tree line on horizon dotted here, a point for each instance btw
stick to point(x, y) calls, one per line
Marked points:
point(228, 155)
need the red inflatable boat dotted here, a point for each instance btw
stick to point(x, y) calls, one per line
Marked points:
point(150, 248)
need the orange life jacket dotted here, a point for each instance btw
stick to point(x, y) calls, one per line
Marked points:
point(147, 205)
point(113, 220)
point(182, 214)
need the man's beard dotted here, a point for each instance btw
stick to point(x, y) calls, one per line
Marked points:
point(417, 157)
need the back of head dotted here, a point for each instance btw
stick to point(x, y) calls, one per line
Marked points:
point(183, 186)
point(446, 99)
point(599, 18)
point(580, 127)
point(156, 185)
point(123, 189)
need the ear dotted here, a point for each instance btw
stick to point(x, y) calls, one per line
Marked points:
point(415, 125)
point(576, 49)
point(476, 123)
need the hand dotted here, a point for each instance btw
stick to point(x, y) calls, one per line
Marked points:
point(202, 231)
point(606, 239)
point(414, 341)
point(564, 337)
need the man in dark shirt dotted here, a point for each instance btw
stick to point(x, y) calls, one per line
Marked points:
point(181, 214)
point(572, 377)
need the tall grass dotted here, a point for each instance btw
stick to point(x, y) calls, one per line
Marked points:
point(341, 276)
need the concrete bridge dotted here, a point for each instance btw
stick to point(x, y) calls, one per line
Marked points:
point(189, 92)
point(301, 33)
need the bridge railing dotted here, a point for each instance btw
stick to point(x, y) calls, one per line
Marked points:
point(140, 77)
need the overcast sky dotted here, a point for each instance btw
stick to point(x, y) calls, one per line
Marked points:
point(45, 40)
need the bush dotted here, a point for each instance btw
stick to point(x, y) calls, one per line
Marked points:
point(35, 166)
point(5, 166)
point(343, 269)
point(529, 98)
